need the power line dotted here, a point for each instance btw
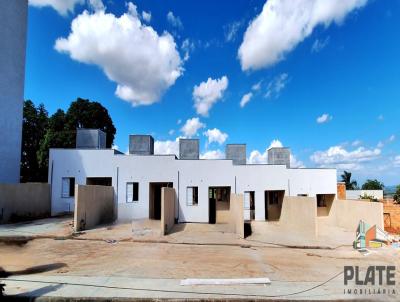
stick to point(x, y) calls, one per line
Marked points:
point(175, 291)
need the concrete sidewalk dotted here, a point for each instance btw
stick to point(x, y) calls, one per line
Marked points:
point(78, 287)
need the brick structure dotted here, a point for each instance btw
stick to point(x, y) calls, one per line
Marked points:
point(341, 191)
point(391, 216)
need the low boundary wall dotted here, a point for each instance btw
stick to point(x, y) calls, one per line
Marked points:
point(236, 214)
point(167, 210)
point(348, 213)
point(355, 194)
point(24, 201)
point(299, 214)
point(94, 205)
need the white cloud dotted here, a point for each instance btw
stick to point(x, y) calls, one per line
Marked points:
point(295, 163)
point(276, 85)
point(283, 24)
point(174, 20)
point(245, 99)
point(276, 143)
point(256, 86)
point(63, 7)
point(356, 143)
point(178, 122)
point(392, 138)
point(213, 154)
point(380, 145)
point(339, 157)
point(215, 135)
point(96, 5)
point(396, 161)
point(231, 30)
point(146, 16)
point(115, 147)
point(142, 63)
point(257, 157)
point(208, 93)
point(192, 126)
point(324, 118)
point(318, 45)
point(187, 47)
point(167, 147)
point(171, 132)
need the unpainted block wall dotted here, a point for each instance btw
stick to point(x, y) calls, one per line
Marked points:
point(24, 201)
point(94, 205)
point(237, 214)
point(167, 210)
point(299, 215)
point(341, 190)
point(392, 216)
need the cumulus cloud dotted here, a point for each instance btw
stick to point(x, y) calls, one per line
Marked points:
point(295, 163)
point(256, 86)
point(324, 118)
point(277, 84)
point(192, 126)
point(276, 143)
point(206, 94)
point(166, 147)
point(396, 161)
point(283, 24)
point(175, 21)
point(339, 157)
point(63, 7)
point(215, 135)
point(392, 138)
point(146, 16)
point(245, 99)
point(143, 63)
point(96, 5)
point(213, 154)
point(318, 45)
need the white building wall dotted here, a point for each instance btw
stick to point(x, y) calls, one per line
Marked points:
point(182, 173)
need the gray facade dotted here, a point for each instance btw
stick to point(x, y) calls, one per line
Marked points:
point(237, 153)
point(90, 139)
point(13, 29)
point(279, 156)
point(141, 144)
point(189, 148)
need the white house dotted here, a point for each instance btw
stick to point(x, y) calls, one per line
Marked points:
point(202, 186)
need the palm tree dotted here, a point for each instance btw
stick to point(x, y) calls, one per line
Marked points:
point(350, 184)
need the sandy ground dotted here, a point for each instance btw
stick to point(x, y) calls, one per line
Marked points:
point(137, 252)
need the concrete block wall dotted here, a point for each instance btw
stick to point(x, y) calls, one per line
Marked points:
point(167, 210)
point(141, 144)
point(237, 214)
point(189, 148)
point(391, 215)
point(94, 205)
point(279, 156)
point(24, 201)
point(90, 139)
point(237, 153)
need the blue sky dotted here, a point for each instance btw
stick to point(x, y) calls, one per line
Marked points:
point(321, 79)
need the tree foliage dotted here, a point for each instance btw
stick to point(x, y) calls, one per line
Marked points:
point(350, 184)
point(40, 133)
point(372, 184)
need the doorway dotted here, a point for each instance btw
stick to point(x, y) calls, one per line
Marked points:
point(155, 198)
point(273, 204)
point(249, 205)
point(218, 204)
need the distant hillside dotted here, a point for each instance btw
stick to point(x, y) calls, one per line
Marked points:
point(389, 190)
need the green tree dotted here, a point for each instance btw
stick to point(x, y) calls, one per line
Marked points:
point(396, 196)
point(34, 125)
point(86, 114)
point(372, 184)
point(350, 184)
point(56, 136)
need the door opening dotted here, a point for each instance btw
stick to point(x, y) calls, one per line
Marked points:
point(273, 204)
point(155, 198)
point(219, 204)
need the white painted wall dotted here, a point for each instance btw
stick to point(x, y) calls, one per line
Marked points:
point(355, 194)
point(182, 173)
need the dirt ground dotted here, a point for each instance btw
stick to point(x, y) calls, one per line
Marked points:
point(114, 252)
